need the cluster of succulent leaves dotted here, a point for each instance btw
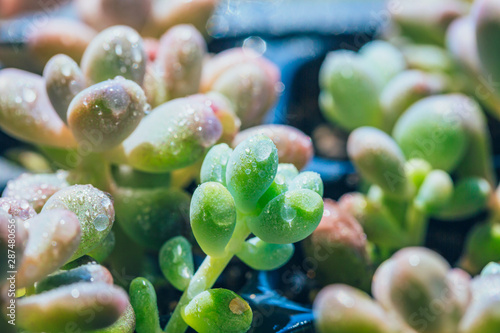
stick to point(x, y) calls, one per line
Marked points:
point(243, 191)
point(422, 148)
point(414, 291)
point(420, 144)
point(139, 124)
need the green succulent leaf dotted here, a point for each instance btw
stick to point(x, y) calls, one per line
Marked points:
point(251, 169)
point(176, 262)
point(93, 208)
point(214, 165)
point(213, 217)
point(263, 256)
point(143, 300)
point(218, 311)
point(288, 218)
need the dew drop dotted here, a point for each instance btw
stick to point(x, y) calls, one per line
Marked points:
point(288, 213)
point(101, 222)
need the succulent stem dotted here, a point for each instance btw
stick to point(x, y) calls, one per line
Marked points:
point(95, 170)
point(207, 274)
point(417, 225)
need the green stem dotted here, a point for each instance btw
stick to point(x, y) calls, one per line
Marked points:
point(207, 274)
point(417, 222)
point(95, 170)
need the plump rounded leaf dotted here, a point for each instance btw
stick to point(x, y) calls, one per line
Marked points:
point(58, 36)
point(173, 136)
point(94, 210)
point(213, 217)
point(492, 268)
point(214, 165)
point(248, 80)
point(116, 51)
point(470, 196)
point(288, 218)
point(251, 170)
point(432, 129)
point(176, 262)
point(69, 306)
point(482, 246)
point(179, 60)
point(426, 21)
point(415, 279)
point(85, 273)
point(379, 159)
point(345, 76)
point(482, 315)
point(143, 300)
point(436, 191)
point(342, 309)
point(103, 115)
point(54, 236)
point(165, 15)
point(264, 256)
point(36, 188)
point(380, 226)
point(218, 311)
point(405, 89)
point(416, 170)
point(63, 81)
point(26, 112)
point(339, 247)
point(224, 111)
point(385, 58)
point(154, 86)
point(285, 175)
point(293, 145)
point(307, 180)
point(150, 217)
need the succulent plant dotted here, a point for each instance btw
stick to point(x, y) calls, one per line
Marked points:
point(410, 172)
point(73, 222)
point(239, 195)
point(380, 72)
point(414, 291)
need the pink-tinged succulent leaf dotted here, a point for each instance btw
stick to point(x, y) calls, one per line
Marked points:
point(53, 238)
point(103, 115)
point(293, 145)
point(342, 309)
point(116, 51)
point(339, 246)
point(63, 81)
point(57, 36)
point(93, 208)
point(36, 189)
point(83, 306)
point(248, 80)
point(167, 14)
point(26, 112)
point(179, 60)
